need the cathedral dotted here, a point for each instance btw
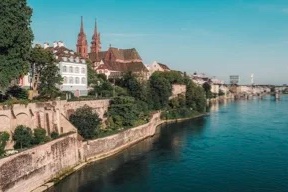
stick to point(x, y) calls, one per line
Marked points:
point(82, 45)
point(113, 62)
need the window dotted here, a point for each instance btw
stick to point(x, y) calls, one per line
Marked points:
point(71, 69)
point(77, 80)
point(64, 69)
point(83, 80)
point(65, 80)
point(71, 80)
point(77, 70)
point(83, 70)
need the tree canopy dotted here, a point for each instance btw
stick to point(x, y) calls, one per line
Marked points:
point(160, 91)
point(4, 137)
point(15, 40)
point(86, 121)
point(23, 137)
point(40, 59)
point(50, 77)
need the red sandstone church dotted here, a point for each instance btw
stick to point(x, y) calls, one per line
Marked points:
point(113, 62)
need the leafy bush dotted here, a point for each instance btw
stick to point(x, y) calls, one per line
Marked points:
point(12, 101)
point(179, 113)
point(125, 112)
point(221, 92)
point(86, 121)
point(23, 137)
point(40, 136)
point(54, 135)
point(4, 137)
point(17, 92)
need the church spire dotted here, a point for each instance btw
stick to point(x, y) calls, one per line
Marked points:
point(82, 26)
point(82, 45)
point(95, 43)
point(95, 28)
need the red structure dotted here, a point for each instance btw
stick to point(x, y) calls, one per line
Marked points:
point(82, 45)
point(95, 43)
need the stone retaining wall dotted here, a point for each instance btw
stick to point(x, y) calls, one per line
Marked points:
point(32, 168)
point(103, 147)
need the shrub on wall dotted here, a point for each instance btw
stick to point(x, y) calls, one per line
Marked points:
point(86, 121)
point(54, 135)
point(40, 136)
point(23, 137)
point(17, 92)
point(125, 112)
point(4, 137)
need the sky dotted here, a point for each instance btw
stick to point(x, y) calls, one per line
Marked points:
point(216, 37)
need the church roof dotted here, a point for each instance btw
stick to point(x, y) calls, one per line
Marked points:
point(62, 53)
point(165, 67)
point(101, 56)
point(125, 54)
point(124, 67)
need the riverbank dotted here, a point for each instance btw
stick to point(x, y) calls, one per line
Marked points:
point(229, 149)
point(114, 151)
point(49, 163)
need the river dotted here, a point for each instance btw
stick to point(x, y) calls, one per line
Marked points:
point(241, 146)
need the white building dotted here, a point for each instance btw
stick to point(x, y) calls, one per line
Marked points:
point(73, 69)
point(155, 66)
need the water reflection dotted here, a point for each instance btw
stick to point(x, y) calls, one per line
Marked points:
point(241, 147)
point(133, 163)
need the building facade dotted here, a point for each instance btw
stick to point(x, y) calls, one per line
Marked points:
point(155, 66)
point(114, 62)
point(73, 69)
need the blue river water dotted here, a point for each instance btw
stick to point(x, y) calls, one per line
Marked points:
point(241, 146)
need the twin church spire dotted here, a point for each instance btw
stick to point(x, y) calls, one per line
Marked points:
point(82, 45)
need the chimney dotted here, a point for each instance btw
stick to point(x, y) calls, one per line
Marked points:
point(46, 45)
point(55, 44)
point(61, 44)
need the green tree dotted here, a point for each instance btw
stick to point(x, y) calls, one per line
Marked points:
point(4, 137)
point(86, 121)
point(160, 91)
point(104, 89)
point(17, 92)
point(195, 96)
point(23, 137)
point(40, 59)
point(125, 111)
point(207, 88)
point(133, 86)
point(49, 81)
point(92, 75)
point(174, 77)
point(40, 136)
point(54, 135)
point(15, 40)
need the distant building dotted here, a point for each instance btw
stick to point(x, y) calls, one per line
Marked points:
point(200, 78)
point(114, 62)
point(234, 79)
point(82, 45)
point(73, 69)
point(155, 66)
